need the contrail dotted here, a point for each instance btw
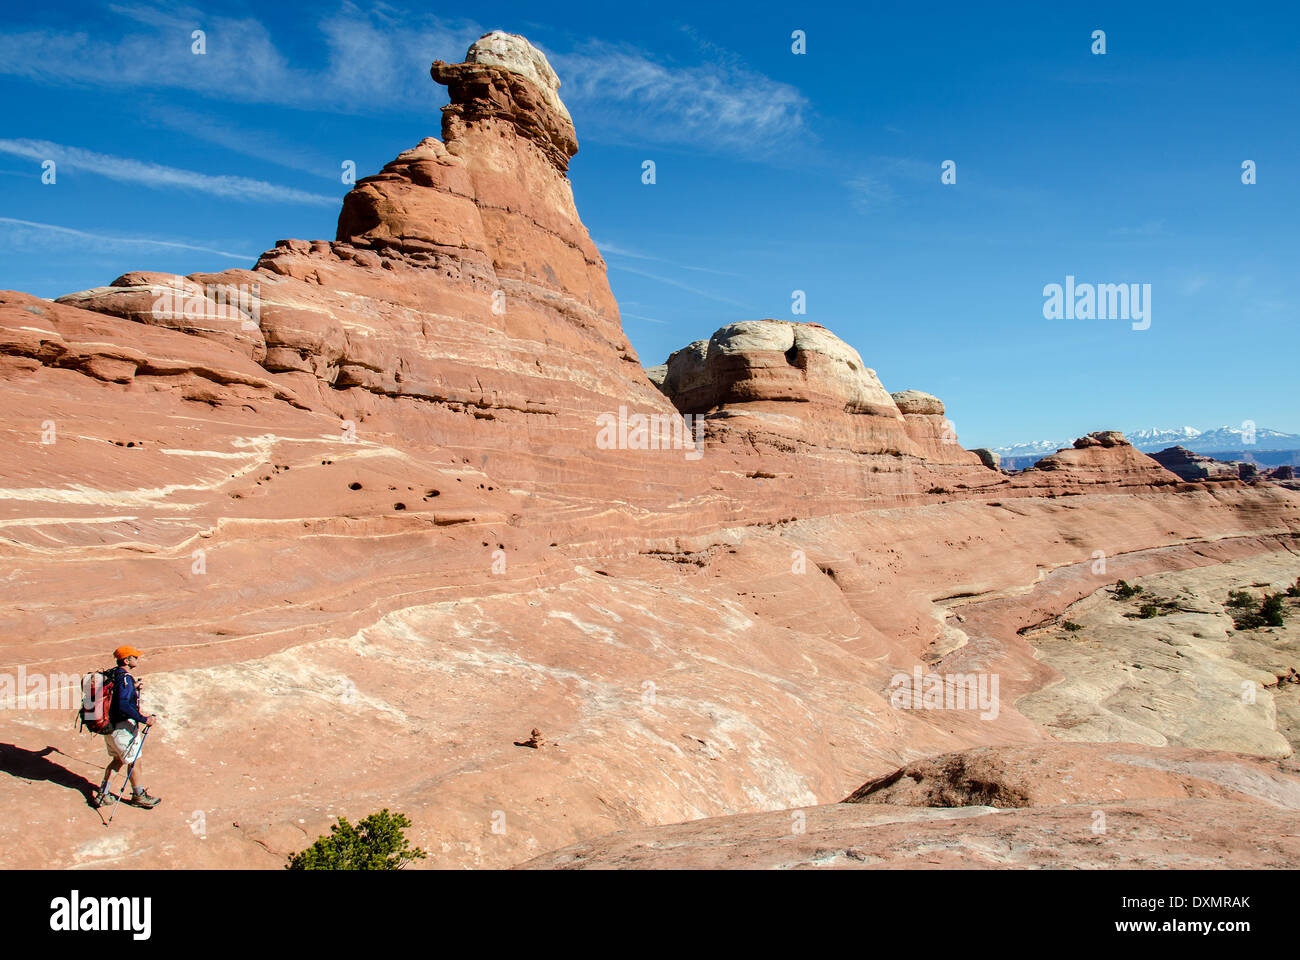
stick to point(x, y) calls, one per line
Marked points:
point(158, 176)
point(104, 238)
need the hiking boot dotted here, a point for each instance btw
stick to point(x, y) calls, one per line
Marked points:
point(99, 797)
point(142, 799)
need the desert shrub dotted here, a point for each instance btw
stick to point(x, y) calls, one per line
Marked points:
point(1294, 589)
point(1271, 611)
point(1125, 590)
point(1239, 599)
point(1248, 620)
point(1148, 610)
point(375, 843)
point(1072, 626)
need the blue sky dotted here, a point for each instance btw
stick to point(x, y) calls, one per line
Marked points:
point(775, 172)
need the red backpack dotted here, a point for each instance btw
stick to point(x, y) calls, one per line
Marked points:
point(97, 691)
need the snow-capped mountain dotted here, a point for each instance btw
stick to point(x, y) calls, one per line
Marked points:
point(1032, 448)
point(1180, 437)
point(1219, 440)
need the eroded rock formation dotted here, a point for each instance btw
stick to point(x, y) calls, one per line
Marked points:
point(1103, 457)
point(1194, 466)
point(395, 481)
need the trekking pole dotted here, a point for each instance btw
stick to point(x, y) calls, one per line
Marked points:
point(126, 783)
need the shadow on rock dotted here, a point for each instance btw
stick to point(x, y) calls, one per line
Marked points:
point(33, 765)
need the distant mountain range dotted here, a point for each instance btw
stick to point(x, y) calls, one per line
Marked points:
point(1151, 441)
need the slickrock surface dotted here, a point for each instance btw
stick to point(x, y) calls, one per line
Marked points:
point(1044, 806)
point(1186, 676)
point(1045, 775)
point(366, 525)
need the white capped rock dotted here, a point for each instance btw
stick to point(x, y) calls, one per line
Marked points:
point(514, 53)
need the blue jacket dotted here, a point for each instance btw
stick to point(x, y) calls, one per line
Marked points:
point(126, 698)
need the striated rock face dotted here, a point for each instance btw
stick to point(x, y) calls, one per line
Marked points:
point(517, 56)
point(930, 430)
point(1194, 466)
point(215, 311)
point(781, 387)
point(775, 361)
point(505, 80)
point(391, 484)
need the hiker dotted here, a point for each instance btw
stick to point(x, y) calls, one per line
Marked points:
point(126, 719)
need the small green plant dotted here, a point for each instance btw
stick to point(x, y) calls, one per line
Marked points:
point(1271, 610)
point(1239, 599)
point(1072, 626)
point(1125, 590)
point(375, 843)
point(1148, 610)
point(1294, 589)
point(1248, 620)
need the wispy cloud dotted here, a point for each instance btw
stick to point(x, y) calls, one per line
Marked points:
point(53, 231)
point(637, 316)
point(681, 286)
point(869, 191)
point(158, 176)
point(877, 184)
point(721, 103)
point(376, 58)
point(614, 250)
point(251, 143)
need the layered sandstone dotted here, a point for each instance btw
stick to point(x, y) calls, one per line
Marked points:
point(765, 370)
point(931, 430)
point(798, 397)
point(380, 494)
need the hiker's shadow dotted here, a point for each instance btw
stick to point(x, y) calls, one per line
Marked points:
point(32, 765)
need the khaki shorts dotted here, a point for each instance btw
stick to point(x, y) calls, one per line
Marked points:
point(120, 739)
